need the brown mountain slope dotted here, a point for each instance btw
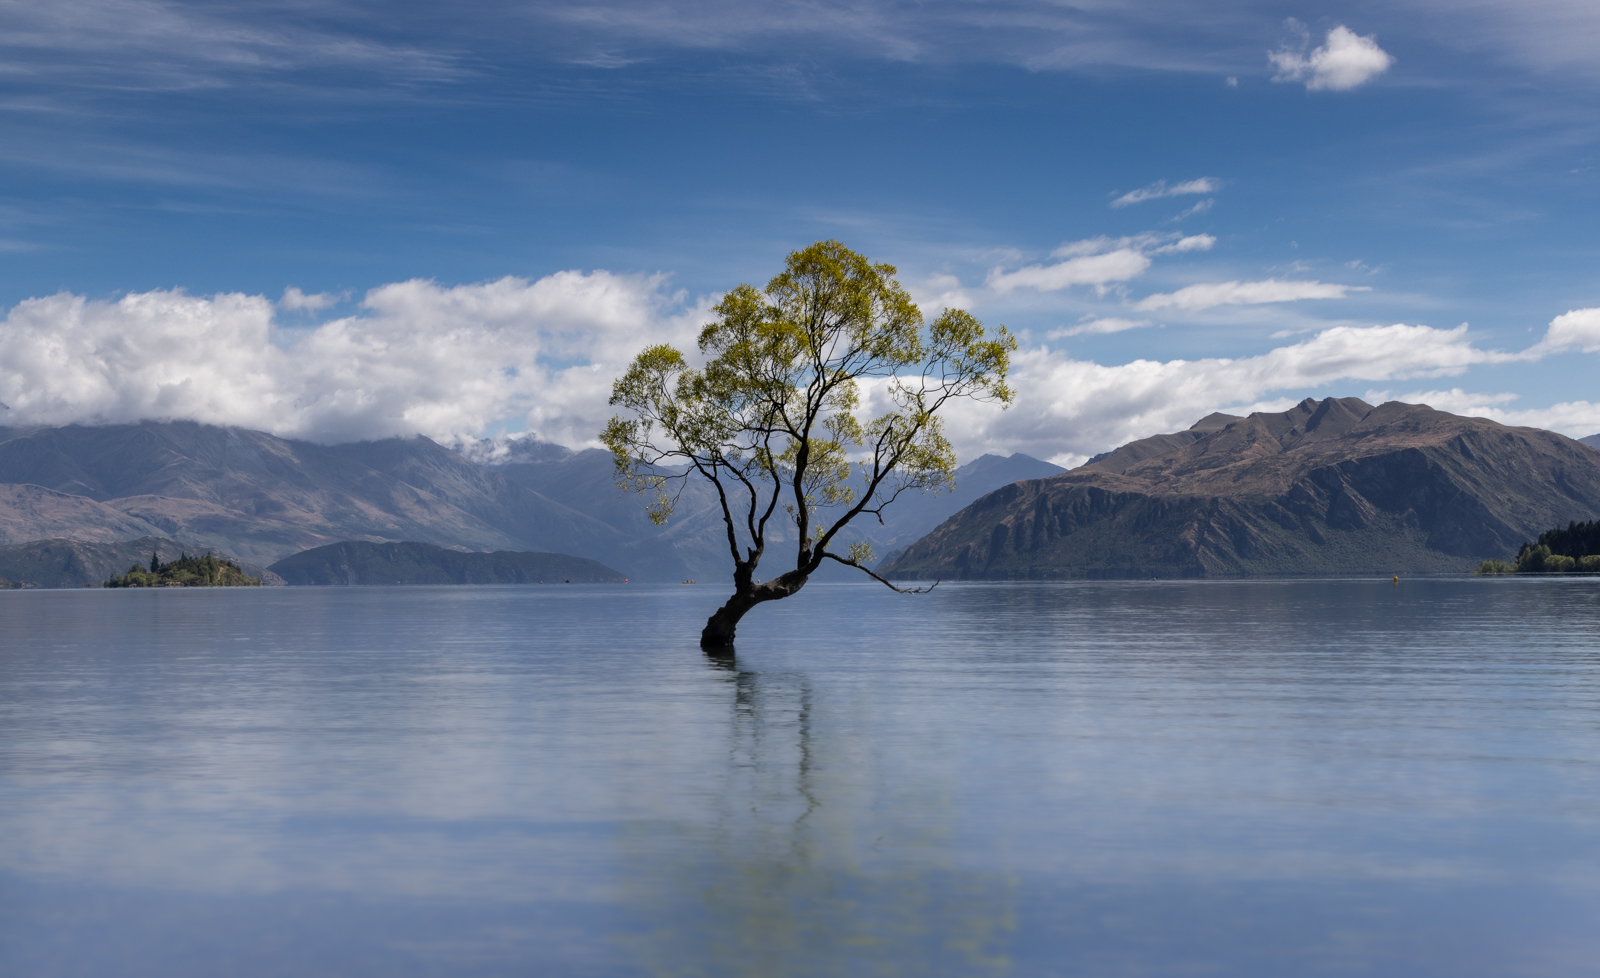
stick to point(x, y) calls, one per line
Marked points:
point(30, 512)
point(1330, 487)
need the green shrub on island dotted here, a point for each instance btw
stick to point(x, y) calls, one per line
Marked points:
point(1576, 541)
point(1557, 551)
point(186, 571)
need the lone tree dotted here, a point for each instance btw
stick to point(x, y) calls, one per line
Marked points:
point(771, 420)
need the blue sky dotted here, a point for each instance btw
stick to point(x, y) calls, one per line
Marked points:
point(170, 169)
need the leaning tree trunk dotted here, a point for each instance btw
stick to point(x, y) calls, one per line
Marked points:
point(718, 634)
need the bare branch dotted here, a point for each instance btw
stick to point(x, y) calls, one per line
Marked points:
point(887, 583)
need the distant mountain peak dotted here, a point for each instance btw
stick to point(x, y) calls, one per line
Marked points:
point(1329, 486)
point(513, 449)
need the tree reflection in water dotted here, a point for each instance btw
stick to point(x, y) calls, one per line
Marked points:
point(811, 860)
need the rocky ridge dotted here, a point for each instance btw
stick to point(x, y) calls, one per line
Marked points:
point(1330, 487)
point(259, 498)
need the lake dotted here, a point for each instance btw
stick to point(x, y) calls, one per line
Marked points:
point(1156, 778)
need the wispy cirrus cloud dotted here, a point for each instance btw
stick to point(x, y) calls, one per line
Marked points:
point(1098, 262)
point(1208, 295)
point(174, 46)
point(1098, 270)
point(1160, 189)
point(1098, 327)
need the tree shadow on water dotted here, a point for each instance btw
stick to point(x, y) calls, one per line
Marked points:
point(811, 858)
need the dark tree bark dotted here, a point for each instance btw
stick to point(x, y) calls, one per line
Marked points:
point(718, 634)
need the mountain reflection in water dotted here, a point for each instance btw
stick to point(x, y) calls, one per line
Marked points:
point(1252, 779)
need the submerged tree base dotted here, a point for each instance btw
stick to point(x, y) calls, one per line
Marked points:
point(721, 626)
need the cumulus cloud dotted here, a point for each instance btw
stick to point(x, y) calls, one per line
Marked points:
point(1207, 295)
point(937, 293)
point(1159, 189)
point(450, 361)
point(417, 358)
point(1578, 328)
point(1344, 61)
point(295, 300)
point(1069, 409)
point(1576, 419)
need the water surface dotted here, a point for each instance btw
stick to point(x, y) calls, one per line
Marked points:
point(1130, 778)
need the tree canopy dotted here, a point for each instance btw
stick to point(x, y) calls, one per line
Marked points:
point(777, 417)
point(208, 570)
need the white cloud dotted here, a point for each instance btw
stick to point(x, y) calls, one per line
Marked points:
point(1069, 409)
point(1575, 419)
point(295, 300)
point(1159, 189)
point(1110, 324)
point(1102, 244)
point(444, 361)
point(1200, 207)
point(1210, 294)
point(1578, 328)
point(1097, 261)
point(1345, 60)
point(1099, 270)
point(937, 293)
point(1194, 242)
point(1455, 400)
point(418, 358)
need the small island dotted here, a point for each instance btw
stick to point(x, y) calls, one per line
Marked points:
point(1557, 551)
point(186, 571)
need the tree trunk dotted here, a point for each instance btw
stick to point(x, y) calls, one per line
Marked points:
point(720, 627)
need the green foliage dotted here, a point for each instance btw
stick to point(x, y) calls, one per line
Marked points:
point(774, 419)
point(1577, 540)
point(1494, 567)
point(1557, 551)
point(1531, 558)
point(186, 571)
point(1538, 559)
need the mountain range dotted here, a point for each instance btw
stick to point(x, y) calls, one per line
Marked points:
point(258, 498)
point(1328, 487)
point(77, 563)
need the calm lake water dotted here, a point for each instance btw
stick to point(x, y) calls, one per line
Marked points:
point(1157, 778)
